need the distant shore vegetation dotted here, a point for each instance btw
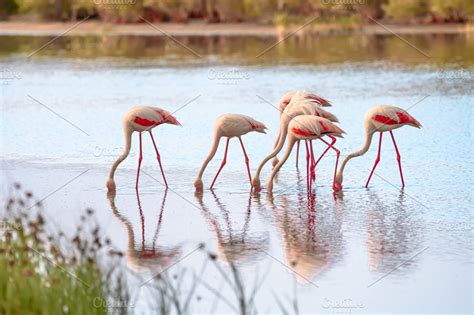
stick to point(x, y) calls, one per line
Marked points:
point(276, 12)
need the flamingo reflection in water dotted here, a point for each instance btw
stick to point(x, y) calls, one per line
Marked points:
point(312, 236)
point(140, 256)
point(392, 233)
point(234, 247)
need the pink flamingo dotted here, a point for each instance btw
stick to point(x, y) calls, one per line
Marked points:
point(140, 119)
point(306, 127)
point(229, 126)
point(285, 101)
point(301, 107)
point(379, 118)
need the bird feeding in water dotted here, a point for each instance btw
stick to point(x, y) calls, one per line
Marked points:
point(229, 126)
point(290, 99)
point(292, 112)
point(380, 118)
point(141, 119)
point(306, 127)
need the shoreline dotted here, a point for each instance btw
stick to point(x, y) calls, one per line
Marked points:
point(94, 28)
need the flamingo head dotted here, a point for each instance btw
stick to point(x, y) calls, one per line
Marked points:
point(337, 186)
point(256, 184)
point(198, 185)
point(111, 185)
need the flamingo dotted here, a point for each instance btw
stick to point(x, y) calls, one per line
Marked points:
point(140, 119)
point(306, 127)
point(229, 126)
point(379, 119)
point(287, 100)
point(292, 111)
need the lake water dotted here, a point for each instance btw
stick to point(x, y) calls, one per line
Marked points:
point(375, 250)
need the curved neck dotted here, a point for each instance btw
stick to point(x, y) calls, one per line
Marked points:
point(126, 151)
point(215, 145)
point(365, 148)
point(281, 141)
point(291, 143)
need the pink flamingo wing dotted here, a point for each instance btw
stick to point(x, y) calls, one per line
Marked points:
point(301, 132)
point(167, 117)
point(145, 122)
point(323, 126)
point(320, 100)
point(385, 120)
point(404, 118)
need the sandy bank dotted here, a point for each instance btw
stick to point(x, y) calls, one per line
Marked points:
point(203, 29)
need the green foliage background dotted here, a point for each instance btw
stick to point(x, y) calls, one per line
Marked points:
point(280, 12)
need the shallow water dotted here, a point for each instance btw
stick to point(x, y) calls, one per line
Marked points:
point(373, 250)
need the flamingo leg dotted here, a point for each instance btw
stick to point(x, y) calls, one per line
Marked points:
point(377, 160)
point(159, 159)
point(330, 146)
point(313, 176)
point(140, 157)
point(307, 165)
point(335, 167)
point(223, 163)
point(297, 152)
point(246, 160)
point(398, 158)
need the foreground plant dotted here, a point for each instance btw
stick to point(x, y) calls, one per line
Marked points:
point(43, 271)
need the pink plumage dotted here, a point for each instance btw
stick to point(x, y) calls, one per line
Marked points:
point(140, 119)
point(380, 118)
point(229, 126)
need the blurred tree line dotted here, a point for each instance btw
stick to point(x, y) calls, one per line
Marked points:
point(280, 12)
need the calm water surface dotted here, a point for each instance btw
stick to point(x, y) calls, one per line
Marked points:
point(373, 250)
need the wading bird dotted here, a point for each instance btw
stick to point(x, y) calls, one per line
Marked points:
point(379, 119)
point(292, 112)
point(306, 127)
point(286, 100)
point(140, 119)
point(229, 126)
